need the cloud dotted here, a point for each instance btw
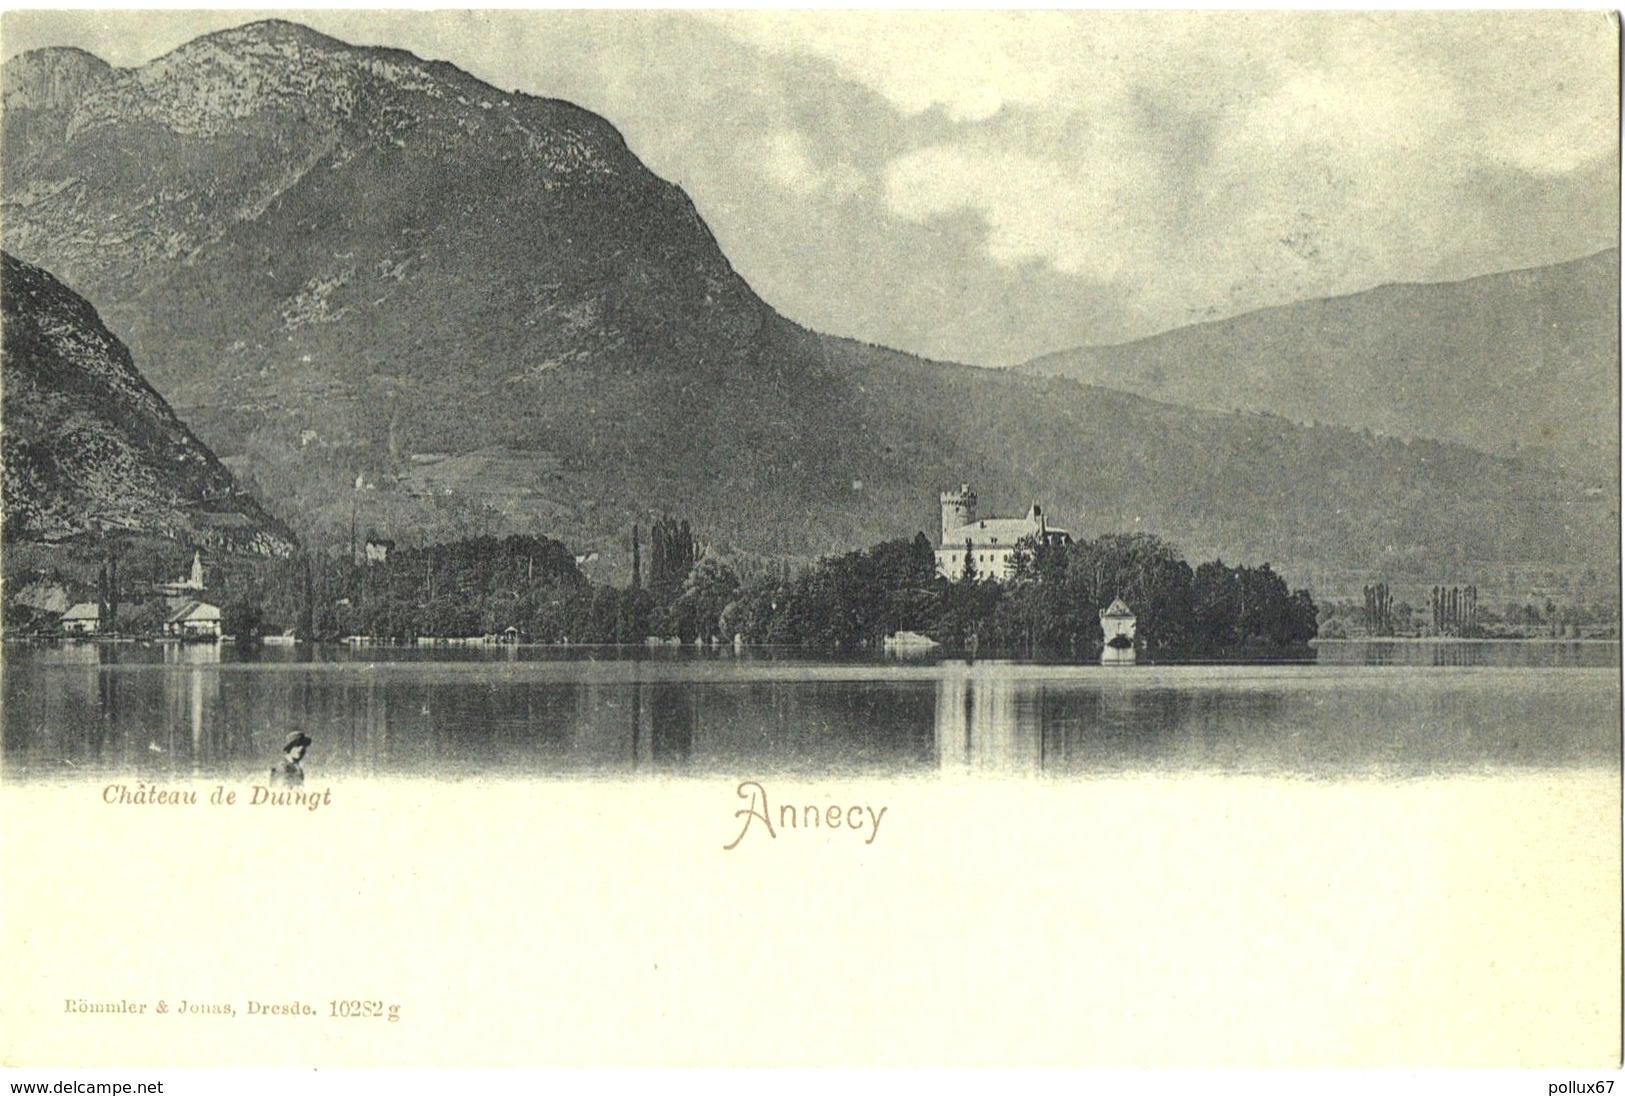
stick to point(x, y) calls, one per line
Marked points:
point(787, 159)
point(1240, 161)
point(1540, 86)
point(1035, 210)
point(971, 63)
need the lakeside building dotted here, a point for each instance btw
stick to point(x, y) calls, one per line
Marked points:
point(1117, 622)
point(194, 620)
point(82, 619)
point(990, 542)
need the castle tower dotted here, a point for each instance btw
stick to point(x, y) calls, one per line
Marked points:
point(958, 508)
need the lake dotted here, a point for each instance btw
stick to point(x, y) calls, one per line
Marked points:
point(1360, 709)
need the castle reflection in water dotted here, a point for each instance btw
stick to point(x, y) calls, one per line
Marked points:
point(179, 711)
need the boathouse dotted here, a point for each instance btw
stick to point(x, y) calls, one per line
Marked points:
point(1117, 623)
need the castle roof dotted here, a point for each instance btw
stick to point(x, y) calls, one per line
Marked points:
point(996, 532)
point(1117, 609)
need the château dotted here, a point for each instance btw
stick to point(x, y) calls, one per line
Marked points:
point(990, 543)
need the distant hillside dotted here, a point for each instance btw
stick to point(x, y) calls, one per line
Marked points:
point(390, 295)
point(1522, 363)
point(89, 446)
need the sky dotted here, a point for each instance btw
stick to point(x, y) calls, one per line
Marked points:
point(989, 186)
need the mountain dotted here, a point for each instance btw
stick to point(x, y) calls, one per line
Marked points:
point(89, 446)
point(1520, 363)
point(393, 297)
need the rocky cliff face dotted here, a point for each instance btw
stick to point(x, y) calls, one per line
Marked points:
point(49, 80)
point(384, 291)
point(90, 446)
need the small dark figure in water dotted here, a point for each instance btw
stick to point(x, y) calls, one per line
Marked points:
point(287, 772)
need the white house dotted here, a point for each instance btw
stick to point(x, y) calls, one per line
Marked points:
point(82, 619)
point(194, 620)
point(990, 542)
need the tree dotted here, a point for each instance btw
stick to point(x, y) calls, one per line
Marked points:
point(923, 558)
point(673, 555)
point(904, 578)
point(243, 617)
point(707, 590)
point(1242, 606)
point(1216, 607)
point(146, 618)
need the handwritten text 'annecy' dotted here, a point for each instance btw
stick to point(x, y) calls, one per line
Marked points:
point(791, 816)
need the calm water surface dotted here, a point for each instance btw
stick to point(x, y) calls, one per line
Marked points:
point(1398, 709)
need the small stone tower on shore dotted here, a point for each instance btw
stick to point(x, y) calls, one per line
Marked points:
point(1117, 622)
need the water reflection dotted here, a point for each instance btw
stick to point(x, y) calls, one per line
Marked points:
point(181, 711)
point(989, 724)
point(672, 717)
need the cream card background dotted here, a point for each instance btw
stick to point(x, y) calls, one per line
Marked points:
point(1474, 923)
